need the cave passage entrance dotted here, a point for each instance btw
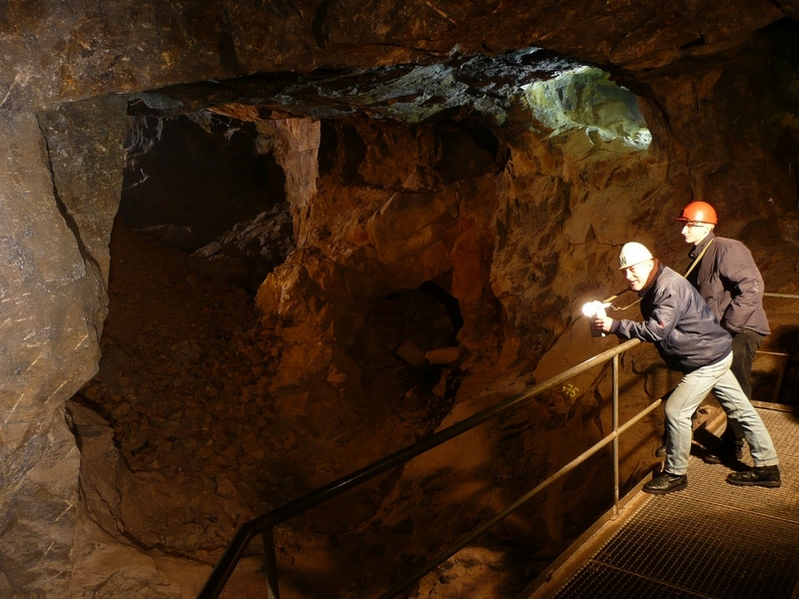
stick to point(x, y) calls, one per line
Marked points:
point(187, 377)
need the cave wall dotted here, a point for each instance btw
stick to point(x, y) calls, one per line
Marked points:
point(534, 227)
point(551, 222)
point(530, 232)
point(60, 192)
point(190, 179)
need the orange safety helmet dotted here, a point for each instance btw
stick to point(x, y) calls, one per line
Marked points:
point(699, 212)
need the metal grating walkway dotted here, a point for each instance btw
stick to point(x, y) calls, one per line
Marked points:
point(712, 540)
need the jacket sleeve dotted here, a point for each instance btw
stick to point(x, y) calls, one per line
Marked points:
point(659, 325)
point(741, 278)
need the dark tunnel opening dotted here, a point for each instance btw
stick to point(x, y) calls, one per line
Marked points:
point(192, 178)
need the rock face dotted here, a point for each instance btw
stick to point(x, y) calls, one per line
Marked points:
point(499, 229)
point(53, 298)
point(188, 180)
point(83, 50)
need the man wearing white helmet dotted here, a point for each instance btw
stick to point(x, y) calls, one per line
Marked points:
point(726, 276)
point(689, 339)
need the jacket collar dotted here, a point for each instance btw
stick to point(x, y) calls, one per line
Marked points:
point(697, 249)
point(652, 278)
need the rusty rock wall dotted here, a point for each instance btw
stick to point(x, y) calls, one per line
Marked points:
point(515, 243)
point(530, 227)
point(529, 232)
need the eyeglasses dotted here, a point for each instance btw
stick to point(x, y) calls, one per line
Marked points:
point(691, 224)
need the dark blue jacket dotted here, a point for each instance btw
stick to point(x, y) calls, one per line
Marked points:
point(729, 280)
point(679, 322)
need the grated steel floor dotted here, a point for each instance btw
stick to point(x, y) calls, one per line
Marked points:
point(712, 540)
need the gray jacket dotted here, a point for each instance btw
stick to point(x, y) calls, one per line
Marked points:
point(679, 322)
point(731, 284)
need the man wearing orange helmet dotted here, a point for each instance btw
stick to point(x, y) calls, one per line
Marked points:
point(725, 274)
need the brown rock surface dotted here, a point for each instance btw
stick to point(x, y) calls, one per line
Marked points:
point(52, 317)
point(203, 445)
point(83, 50)
point(482, 231)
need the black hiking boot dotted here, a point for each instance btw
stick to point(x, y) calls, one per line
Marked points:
point(759, 476)
point(666, 483)
point(724, 456)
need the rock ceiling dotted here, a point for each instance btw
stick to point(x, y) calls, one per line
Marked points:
point(407, 92)
point(58, 52)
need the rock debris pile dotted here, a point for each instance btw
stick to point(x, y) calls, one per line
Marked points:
point(255, 247)
point(200, 444)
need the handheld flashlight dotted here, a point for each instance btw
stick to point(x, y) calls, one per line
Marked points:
point(593, 310)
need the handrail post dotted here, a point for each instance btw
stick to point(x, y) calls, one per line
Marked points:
point(615, 445)
point(270, 564)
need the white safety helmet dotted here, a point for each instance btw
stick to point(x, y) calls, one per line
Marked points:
point(633, 253)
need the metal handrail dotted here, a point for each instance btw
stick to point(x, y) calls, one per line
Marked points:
point(265, 523)
point(612, 437)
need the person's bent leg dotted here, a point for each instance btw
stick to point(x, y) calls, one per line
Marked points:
point(736, 405)
point(682, 403)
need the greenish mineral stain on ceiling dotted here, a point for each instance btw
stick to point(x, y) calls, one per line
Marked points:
point(586, 98)
point(557, 92)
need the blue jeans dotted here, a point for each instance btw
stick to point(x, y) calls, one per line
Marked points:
point(687, 396)
point(745, 344)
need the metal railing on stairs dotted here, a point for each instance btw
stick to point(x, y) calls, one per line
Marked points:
point(264, 525)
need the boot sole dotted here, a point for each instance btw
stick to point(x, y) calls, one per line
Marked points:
point(761, 483)
point(712, 459)
point(665, 491)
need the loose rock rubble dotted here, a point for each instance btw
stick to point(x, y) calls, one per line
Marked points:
point(256, 246)
point(203, 446)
